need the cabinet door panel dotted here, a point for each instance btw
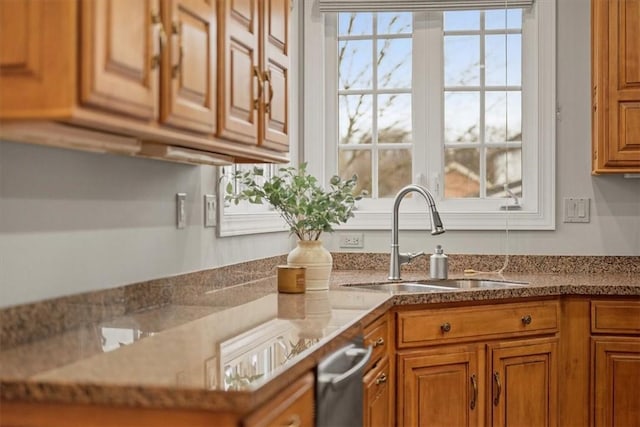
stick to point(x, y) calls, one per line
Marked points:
point(238, 67)
point(442, 387)
point(616, 85)
point(377, 407)
point(116, 51)
point(616, 381)
point(275, 132)
point(189, 68)
point(524, 385)
point(37, 58)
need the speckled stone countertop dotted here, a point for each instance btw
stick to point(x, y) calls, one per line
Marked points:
point(198, 344)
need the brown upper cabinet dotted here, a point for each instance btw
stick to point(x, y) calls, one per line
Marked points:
point(254, 68)
point(152, 73)
point(615, 49)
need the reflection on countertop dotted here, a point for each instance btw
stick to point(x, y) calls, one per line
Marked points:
point(193, 343)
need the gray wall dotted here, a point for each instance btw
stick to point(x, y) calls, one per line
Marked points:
point(73, 221)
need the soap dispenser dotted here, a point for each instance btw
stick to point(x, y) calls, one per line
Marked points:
point(438, 264)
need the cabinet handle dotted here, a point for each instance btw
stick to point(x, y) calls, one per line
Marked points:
point(381, 379)
point(258, 75)
point(293, 421)
point(496, 381)
point(378, 342)
point(176, 30)
point(162, 40)
point(267, 78)
point(445, 327)
point(526, 320)
point(474, 396)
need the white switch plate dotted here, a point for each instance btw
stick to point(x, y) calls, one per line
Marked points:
point(576, 209)
point(209, 210)
point(181, 214)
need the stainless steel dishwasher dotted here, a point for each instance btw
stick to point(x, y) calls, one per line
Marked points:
point(339, 388)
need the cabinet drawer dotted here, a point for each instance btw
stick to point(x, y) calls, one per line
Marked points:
point(293, 406)
point(615, 317)
point(423, 327)
point(377, 335)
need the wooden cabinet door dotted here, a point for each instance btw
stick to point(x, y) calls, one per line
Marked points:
point(293, 406)
point(377, 409)
point(37, 58)
point(239, 71)
point(616, 381)
point(117, 49)
point(441, 387)
point(274, 111)
point(616, 85)
point(523, 377)
point(189, 65)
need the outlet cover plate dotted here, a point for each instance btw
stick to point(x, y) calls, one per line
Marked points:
point(352, 240)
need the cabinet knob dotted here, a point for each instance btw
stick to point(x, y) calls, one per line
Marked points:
point(526, 320)
point(445, 327)
point(381, 379)
point(378, 342)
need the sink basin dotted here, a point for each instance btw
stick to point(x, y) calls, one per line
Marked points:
point(440, 285)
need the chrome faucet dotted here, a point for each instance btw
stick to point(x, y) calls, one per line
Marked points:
point(397, 258)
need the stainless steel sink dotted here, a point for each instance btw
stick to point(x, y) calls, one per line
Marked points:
point(440, 285)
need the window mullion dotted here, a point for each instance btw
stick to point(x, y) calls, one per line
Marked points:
point(374, 115)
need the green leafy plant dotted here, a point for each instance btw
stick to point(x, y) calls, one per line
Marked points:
point(298, 197)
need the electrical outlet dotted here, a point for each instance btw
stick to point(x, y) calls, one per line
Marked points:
point(181, 214)
point(209, 210)
point(353, 240)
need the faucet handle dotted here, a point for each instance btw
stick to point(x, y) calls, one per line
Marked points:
point(408, 257)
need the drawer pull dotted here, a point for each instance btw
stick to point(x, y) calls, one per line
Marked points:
point(381, 379)
point(474, 396)
point(378, 342)
point(526, 320)
point(496, 381)
point(445, 327)
point(293, 421)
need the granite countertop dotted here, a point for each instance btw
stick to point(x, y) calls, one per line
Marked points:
point(232, 348)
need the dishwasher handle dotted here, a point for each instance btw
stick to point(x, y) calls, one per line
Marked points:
point(350, 351)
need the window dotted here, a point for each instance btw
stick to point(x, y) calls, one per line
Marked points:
point(245, 218)
point(460, 101)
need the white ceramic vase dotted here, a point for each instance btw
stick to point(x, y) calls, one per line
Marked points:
point(317, 260)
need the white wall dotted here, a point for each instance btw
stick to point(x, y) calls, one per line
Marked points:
point(615, 201)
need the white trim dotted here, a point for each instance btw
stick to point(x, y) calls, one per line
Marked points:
point(319, 147)
point(417, 5)
point(236, 224)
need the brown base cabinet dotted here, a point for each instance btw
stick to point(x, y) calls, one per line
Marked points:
point(377, 411)
point(379, 392)
point(500, 380)
point(615, 362)
point(441, 387)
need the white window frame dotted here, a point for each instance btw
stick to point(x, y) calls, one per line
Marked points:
point(320, 132)
point(245, 218)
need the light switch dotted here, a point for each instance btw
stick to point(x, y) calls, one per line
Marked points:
point(576, 209)
point(181, 214)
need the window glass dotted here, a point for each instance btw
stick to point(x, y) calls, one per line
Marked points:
point(375, 127)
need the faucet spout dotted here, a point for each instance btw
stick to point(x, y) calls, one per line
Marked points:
point(397, 258)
